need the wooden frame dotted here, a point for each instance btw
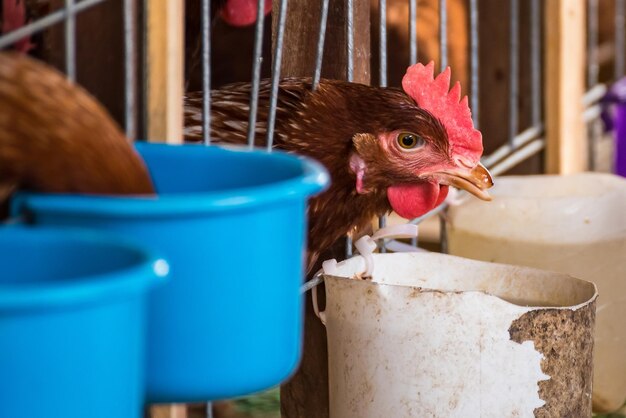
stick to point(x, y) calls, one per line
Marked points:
point(164, 66)
point(165, 70)
point(566, 145)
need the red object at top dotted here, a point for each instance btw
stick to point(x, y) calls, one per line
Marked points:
point(432, 95)
point(14, 17)
point(242, 12)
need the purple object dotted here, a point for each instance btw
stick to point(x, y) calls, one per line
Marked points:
point(614, 117)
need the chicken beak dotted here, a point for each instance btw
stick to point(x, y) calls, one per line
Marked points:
point(475, 180)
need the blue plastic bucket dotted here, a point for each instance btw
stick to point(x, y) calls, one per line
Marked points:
point(232, 225)
point(72, 324)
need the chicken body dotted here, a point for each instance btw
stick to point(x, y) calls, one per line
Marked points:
point(381, 149)
point(54, 137)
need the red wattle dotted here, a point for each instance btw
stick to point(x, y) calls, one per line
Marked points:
point(242, 12)
point(413, 200)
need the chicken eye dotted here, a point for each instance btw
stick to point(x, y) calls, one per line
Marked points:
point(409, 141)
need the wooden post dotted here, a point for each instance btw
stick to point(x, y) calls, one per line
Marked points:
point(165, 81)
point(566, 150)
point(165, 69)
point(169, 411)
point(306, 393)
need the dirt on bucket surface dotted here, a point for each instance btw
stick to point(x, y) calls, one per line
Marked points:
point(570, 365)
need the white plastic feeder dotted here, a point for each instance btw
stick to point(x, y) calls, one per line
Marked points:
point(573, 224)
point(432, 335)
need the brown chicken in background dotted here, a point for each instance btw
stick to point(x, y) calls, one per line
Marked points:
point(385, 148)
point(54, 137)
point(428, 47)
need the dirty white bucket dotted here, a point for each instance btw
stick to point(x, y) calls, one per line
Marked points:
point(574, 224)
point(432, 335)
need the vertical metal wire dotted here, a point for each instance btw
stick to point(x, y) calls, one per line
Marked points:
point(350, 39)
point(620, 33)
point(70, 40)
point(206, 71)
point(348, 247)
point(350, 73)
point(256, 72)
point(382, 15)
point(278, 56)
point(593, 67)
point(514, 70)
point(130, 102)
point(320, 44)
point(412, 31)
point(474, 61)
point(535, 62)
point(443, 48)
point(443, 235)
point(443, 34)
point(592, 43)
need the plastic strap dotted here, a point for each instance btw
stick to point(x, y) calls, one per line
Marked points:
point(366, 244)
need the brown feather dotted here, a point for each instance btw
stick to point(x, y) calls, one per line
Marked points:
point(54, 137)
point(323, 125)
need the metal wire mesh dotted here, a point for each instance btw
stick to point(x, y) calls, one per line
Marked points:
point(522, 142)
point(67, 16)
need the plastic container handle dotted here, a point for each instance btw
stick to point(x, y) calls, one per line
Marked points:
point(320, 314)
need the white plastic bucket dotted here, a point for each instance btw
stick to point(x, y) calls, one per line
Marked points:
point(431, 335)
point(574, 224)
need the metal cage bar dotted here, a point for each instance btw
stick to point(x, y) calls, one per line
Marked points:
point(350, 40)
point(443, 34)
point(130, 96)
point(45, 22)
point(319, 55)
point(256, 72)
point(382, 28)
point(205, 21)
point(513, 69)
point(382, 47)
point(278, 55)
point(535, 62)
point(620, 37)
point(70, 41)
point(474, 62)
point(412, 31)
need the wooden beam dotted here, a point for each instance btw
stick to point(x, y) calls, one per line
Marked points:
point(566, 149)
point(164, 99)
point(168, 411)
point(165, 69)
point(306, 393)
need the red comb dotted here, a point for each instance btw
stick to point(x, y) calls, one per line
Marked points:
point(432, 95)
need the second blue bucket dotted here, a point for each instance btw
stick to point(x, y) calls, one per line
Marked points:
point(232, 225)
point(73, 324)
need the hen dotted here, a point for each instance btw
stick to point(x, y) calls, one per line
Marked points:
point(55, 137)
point(386, 149)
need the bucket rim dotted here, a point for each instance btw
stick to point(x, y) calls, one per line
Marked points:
point(362, 282)
point(146, 272)
point(313, 178)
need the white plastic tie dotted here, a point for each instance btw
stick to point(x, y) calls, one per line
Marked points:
point(366, 245)
point(330, 267)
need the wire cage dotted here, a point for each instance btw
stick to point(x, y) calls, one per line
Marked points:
point(508, 61)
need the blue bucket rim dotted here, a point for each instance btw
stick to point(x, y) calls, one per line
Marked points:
point(149, 271)
point(314, 178)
